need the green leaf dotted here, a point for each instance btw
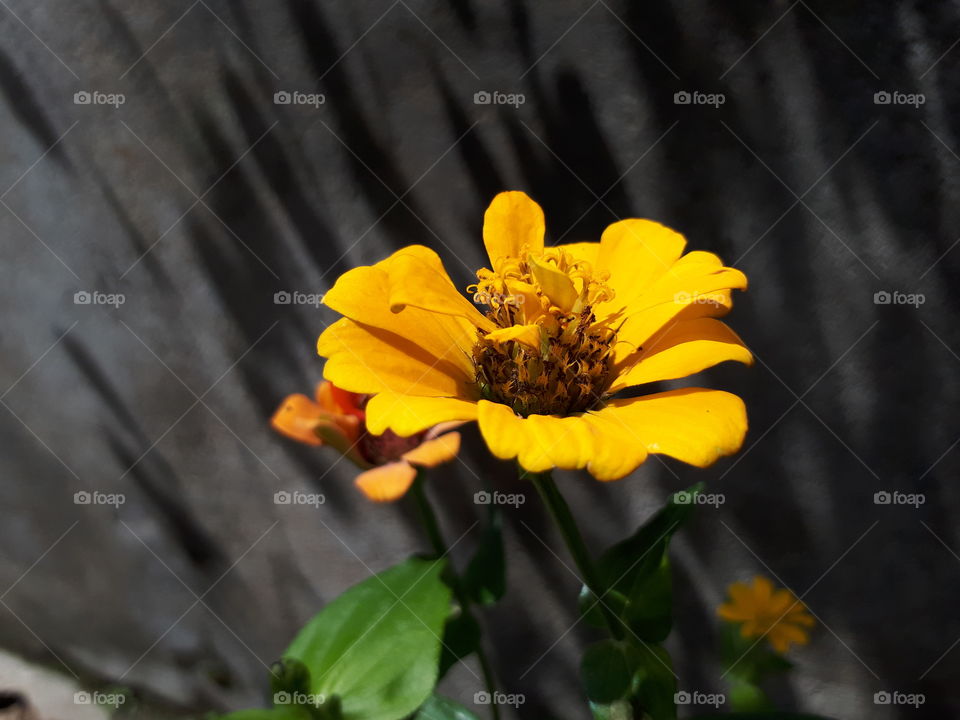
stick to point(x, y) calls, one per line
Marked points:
point(290, 676)
point(747, 697)
point(639, 549)
point(460, 638)
point(649, 611)
point(485, 578)
point(619, 710)
point(654, 682)
point(637, 576)
point(377, 645)
point(441, 708)
point(590, 608)
point(605, 672)
point(282, 713)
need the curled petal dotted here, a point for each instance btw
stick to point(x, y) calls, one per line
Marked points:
point(388, 482)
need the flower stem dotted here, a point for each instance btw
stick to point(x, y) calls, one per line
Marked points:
point(428, 517)
point(563, 518)
point(432, 528)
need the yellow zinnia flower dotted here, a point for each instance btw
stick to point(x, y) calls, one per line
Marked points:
point(567, 328)
point(337, 418)
point(776, 614)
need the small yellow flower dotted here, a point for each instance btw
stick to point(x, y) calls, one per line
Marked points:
point(776, 614)
point(567, 329)
point(337, 418)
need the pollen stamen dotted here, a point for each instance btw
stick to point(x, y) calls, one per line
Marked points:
point(571, 370)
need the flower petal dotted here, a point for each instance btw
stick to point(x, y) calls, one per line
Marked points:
point(762, 591)
point(616, 452)
point(409, 414)
point(694, 425)
point(586, 251)
point(365, 359)
point(741, 595)
point(635, 252)
point(734, 613)
point(682, 349)
point(388, 482)
point(513, 227)
point(431, 453)
point(297, 417)
point(539, 442)
point(697, 285)
point(527, 334)
point(556, 285)
point(338, 400)
point(363, 294)
point(418, 279)
point(301, 419)
point(783, 635)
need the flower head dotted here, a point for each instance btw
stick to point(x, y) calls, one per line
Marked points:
point(763, 611)
point(564, 331)
point(389, 462)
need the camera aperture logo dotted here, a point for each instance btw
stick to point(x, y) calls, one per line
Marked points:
point(95, 497)
point(895, 97)
point(295, 97)
point(495, 97)
point(685, 97)
point(299, 698)
point(696, 697)
point(482, 697)
point(95, 97)
point(896, 497)
point(896, 697)
point(485, 497)
point(685, 497)
point(286, 497)
point(95, 297)
point(114, 700)
point(284, 297)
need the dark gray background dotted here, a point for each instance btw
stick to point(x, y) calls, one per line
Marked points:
point(820, 195)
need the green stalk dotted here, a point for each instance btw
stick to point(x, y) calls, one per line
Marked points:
point(432, 528)
point(563, 518)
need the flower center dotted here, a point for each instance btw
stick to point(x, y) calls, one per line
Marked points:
point(375, 449)
point(564, 365)
point(381, 449)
